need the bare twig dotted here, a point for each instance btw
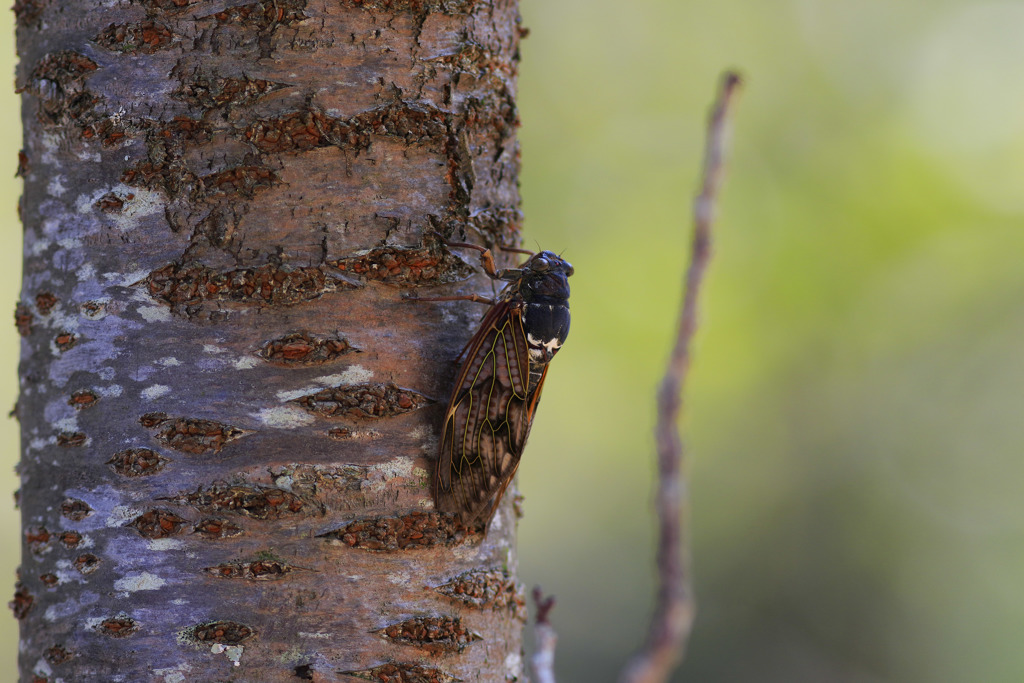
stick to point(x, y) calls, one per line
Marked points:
point(543, 660)
point(674, 609)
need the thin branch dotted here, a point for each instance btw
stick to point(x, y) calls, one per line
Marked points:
point(674, 610)
point(543, 660)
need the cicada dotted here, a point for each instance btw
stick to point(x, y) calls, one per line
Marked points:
point(498, 386)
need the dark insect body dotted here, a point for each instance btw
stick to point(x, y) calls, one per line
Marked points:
point(498, 386)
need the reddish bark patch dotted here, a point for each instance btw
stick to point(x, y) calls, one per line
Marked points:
point(417, 6)
point(146, 37)
point(223, 632)
point(217, 528)
point(112, 202)
point(309, 480)
point(407, 532)
point(171, 177)
point(213, 93)
point(63, 67)
point(49, 580)
point(483, 588)
point(308, 129)
point(23, 319)
point(295, 132)
point(58, 107)
point(191, 435)
point(192, 284)
point(137, 462)
point(75, 510)
point(242, 181)
point(264, 15)
point(118, 627)
point(82, 399)
point(363, 400)
point(27, 12)
point(407, 266)
point(151, 420)
point(71, 439)
point(22, 170)
point(402, 673)
point(473, 58)
point(496, 112)
point(184, 130)
point(94, 310)
point(166, 140)
point(300, 348)
point(57, 83)
point(65, 340)
point(109, 131)
point(166, 4)
point(58, 654)
point(45, 301)
point(70, 539)
point(157, 523)
point(37, 538)
point(86, 563)
point(22, 602)
point(434, 635)
point(258, 502)
point(257, 570)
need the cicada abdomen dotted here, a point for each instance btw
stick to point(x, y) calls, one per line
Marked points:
point(498, 386)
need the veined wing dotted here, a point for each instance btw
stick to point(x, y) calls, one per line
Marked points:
point(488, 417)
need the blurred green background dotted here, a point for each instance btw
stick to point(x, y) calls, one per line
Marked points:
point(856, 455)
point(853, 418)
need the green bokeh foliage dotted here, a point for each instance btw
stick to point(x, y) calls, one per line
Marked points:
point(855, 457)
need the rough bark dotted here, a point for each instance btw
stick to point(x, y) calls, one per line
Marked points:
point(228, 410)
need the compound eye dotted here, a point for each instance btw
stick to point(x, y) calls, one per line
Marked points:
point(540, 264)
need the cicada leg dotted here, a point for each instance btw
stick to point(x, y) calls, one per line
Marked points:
point(476, 298)
point(488, 263)
point(517, 250)
point(487, 260)
point(487, 257)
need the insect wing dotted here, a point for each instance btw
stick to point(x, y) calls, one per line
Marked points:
point(531, 406)
point(488, 418)
point(534, 399)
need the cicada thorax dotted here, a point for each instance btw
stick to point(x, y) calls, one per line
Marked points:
point(498, 387)
point(542, 298)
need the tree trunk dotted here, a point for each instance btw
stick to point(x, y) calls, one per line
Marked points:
point(229, 412)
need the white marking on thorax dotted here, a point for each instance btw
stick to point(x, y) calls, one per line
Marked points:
point(540, 350)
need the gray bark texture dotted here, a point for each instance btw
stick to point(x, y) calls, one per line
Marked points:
point(229, 411)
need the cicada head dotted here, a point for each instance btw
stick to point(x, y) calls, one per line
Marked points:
point(544, 276)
